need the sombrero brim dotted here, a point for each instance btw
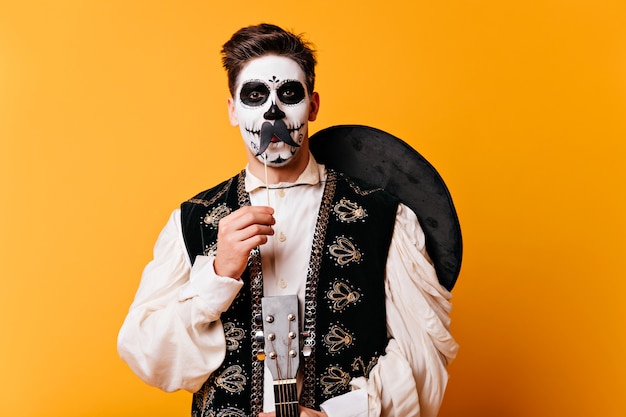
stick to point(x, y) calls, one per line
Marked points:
point(382, 160)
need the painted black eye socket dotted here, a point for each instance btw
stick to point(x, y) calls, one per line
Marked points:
point(254, 93)
point(291, 92)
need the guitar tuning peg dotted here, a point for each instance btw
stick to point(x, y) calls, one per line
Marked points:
point(306, 351)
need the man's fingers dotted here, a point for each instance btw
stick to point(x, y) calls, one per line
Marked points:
point(245, 217)
point(244, 241)
point(249, 236)
point(239, 233)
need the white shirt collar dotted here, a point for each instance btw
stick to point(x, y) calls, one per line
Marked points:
point(312, 175)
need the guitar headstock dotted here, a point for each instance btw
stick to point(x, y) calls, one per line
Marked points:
point(281, 334)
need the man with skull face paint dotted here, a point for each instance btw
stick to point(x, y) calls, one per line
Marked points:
point(374, 311)
point(272, 107)
point(259, 106)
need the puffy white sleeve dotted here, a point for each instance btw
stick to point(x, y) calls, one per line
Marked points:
point(172, 337)
point(410, 379)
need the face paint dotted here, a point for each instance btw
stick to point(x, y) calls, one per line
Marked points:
point(272, 108)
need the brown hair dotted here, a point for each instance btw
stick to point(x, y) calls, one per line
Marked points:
point(255, 41)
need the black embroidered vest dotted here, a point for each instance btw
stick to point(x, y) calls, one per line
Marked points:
point(344, 312)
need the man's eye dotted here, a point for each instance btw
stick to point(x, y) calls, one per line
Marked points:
point(254, 93)
point(256, 96)
point(292, 92)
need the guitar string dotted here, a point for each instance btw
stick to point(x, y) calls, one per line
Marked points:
point(279, 391)
point(289, 393)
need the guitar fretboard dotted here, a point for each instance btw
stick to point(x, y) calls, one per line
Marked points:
point(286, 398)
point(281, 331)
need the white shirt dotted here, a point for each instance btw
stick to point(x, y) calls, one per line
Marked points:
point(173, 338)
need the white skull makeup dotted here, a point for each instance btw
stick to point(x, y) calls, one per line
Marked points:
point(272, 106)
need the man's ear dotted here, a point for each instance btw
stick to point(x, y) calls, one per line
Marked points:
point(232, 114)
point(315, 106)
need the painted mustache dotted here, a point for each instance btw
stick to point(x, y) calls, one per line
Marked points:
point(278, 130)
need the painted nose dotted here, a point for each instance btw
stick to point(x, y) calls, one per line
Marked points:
point(274, 113)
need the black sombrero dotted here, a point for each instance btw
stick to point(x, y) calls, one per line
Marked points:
point(383, 160)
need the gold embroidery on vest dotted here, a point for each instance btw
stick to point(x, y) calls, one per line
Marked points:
point(349, 211)
point(334, 380)
point(256, 293)
point(344, 251)
point(233, 336)
point(358, 363)
point(210, 250)
point(205, 396)
point(361, 191)
point(218, 213)
point(232, 379)
point(307, 397)
point(231, 412)
point(337, 339)
point(341, 295)
point(218, 195)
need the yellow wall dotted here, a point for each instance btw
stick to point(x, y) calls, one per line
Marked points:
point(113, 111)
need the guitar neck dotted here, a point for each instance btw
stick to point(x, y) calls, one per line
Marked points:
point(281, 331)
point(286, 398)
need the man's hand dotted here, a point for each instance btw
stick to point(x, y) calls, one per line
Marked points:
point(304, 412)
point(239, 233)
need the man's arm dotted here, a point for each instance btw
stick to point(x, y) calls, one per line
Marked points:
point(172, 337)
point(410, 379)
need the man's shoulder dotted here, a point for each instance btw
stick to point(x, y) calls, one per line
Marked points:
point(208, 197)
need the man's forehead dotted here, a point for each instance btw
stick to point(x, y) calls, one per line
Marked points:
point(270, 68)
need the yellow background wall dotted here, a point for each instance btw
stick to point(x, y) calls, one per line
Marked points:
point(112, 112)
